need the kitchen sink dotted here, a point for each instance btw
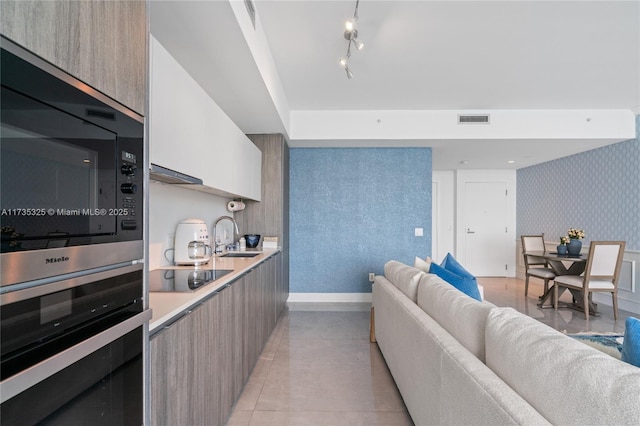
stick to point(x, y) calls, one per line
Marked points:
point(239, 254)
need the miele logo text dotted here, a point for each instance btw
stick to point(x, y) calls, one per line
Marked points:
point(57, 259)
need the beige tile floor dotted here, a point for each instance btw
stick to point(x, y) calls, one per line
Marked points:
point(319, 368)
point(510, 292)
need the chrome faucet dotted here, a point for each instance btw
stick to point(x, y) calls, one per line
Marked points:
point(215, 225)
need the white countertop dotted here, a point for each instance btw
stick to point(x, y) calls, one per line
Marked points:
point(167, 305)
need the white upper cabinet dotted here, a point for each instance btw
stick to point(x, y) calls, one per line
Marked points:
point(189, 133)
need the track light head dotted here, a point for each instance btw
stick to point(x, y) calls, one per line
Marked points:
point(349, 25)
point(350, 35)
point(349, 73)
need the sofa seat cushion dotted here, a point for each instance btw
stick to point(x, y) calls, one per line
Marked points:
point(463, 317)
point(568, 382)
point(404, 277)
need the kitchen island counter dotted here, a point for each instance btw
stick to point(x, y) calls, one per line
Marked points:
point(168, 307)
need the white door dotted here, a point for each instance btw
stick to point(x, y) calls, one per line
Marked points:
point(486, 228)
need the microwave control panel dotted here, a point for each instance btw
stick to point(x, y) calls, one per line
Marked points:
point(130, 191)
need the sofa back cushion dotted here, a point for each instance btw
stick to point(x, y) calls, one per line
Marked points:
point(441, 382)
point(568, 382)
point(404, 277)
point(463, 317)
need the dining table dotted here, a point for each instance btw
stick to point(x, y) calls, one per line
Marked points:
point(565, 264)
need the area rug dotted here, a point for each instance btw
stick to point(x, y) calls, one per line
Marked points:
point(609, 343)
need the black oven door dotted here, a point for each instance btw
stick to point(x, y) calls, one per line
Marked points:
point(97, 382)
point(58, 173)
point(71, 350)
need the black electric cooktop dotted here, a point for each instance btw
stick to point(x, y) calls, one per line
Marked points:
point(183, 280)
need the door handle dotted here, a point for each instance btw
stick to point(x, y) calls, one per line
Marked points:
point(469, 231)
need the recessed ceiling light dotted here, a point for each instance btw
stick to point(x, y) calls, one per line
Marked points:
point(511, 161)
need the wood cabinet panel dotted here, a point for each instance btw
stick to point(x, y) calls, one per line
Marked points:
point(172, 368)
point(240, 376)
point(270, 216)
point(281, 284)
point(200, 364)
point(101, 42)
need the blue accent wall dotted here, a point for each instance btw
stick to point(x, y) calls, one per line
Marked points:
point(351, 210)
point(598, 191)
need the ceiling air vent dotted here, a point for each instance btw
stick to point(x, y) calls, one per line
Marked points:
point(473, 119)
point(252, 11)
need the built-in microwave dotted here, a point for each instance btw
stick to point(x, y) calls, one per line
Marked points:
point(72, 173)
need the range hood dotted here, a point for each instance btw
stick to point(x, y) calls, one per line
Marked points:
point(162, 174)
point(181, 180)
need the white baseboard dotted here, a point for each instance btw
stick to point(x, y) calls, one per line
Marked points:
point(330, 297)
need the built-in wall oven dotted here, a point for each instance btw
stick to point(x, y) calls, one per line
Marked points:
point(71, 173)
point(72, 307)
point(72, 351)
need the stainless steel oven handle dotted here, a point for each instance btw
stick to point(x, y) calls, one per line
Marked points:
point(41, 287)
point(22, 381)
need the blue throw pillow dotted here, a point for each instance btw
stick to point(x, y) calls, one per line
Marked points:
point(631, 342)
point(451, 264)
point(468, 286)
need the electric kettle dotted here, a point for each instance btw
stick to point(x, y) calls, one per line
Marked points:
point(191, 243)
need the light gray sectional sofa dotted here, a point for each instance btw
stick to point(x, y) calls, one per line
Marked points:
point(459, 361)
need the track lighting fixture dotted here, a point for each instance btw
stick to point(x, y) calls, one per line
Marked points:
point(351, 35)
point(349, 73)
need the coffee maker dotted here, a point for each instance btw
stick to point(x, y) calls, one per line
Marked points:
point(191, 243)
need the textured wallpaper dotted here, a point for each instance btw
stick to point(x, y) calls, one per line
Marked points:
point(598, 191)
point(351, 210)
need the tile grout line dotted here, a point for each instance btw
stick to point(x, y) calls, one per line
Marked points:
point(275, 353)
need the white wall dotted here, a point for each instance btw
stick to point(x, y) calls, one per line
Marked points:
point(168, 205)
point(443, 215)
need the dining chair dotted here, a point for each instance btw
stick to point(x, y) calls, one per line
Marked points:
point(535, 266)
point(601, 274)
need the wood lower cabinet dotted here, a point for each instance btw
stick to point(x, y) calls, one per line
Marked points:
point(282, 282)
point(172, 368)
point(201, 362)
